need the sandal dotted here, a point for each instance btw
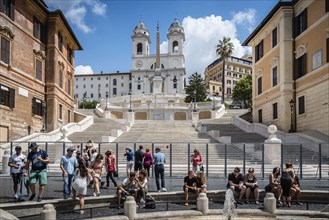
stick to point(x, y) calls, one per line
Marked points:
point(82, 212)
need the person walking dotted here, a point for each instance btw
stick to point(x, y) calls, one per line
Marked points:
point(139, 156)
point(39, 160)
point(68, 164)
point(79, 186)
point(159, 161)
point(110, 164)
point(147, 161)
point(16, 163)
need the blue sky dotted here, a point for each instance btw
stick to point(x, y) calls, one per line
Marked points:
point(104, 28)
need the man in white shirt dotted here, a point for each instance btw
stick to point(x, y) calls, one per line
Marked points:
point(17, 162)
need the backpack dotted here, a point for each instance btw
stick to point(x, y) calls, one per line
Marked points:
point(149, 202)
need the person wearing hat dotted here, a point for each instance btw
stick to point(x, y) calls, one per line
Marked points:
point(16, 163)
point(68, 164)
point(159, 160)
point(39, 160)
point(130, 160)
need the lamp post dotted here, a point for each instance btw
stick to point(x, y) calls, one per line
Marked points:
point(291, 103)
point(194, 98)
point(107, 94)
point(130, 100)
point(44, 106)
point(213, 102)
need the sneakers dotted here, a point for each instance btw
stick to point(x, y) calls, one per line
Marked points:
point(39, 199)
point(16, 196)
point(299, 203)
point(239, 202)
point(186, 203)
point(94, 194)
point(32, 197)
point(98, 194)
point(164, 190)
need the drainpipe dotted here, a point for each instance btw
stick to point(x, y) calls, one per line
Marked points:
point(294, 69)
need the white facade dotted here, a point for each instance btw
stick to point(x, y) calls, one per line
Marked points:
point(101, 86)
point(169, 77)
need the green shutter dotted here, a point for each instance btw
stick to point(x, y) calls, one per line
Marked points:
point(11, 98)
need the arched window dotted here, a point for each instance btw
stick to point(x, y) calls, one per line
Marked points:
point(139, 48)
point(175, 47)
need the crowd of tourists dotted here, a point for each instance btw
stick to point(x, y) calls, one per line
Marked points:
point(88, 167)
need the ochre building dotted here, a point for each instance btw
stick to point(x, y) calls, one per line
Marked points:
point(290, 66)
point(235, 69)
point(36, 68)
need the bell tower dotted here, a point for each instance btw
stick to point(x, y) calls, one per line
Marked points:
point(141, 41)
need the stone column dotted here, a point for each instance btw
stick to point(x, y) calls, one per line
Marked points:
point(202, 203)
point(5, 160)
point(48, 212)
point(130, 208)
point(272, 147)
point(270, 203)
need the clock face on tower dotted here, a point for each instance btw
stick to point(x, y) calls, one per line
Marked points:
point(139, 63)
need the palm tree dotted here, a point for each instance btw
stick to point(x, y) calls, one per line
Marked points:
point(224, 49)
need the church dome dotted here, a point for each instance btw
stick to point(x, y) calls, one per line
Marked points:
point(175, 27)
point(141, 30)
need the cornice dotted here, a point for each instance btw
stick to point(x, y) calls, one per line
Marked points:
point(7, 32)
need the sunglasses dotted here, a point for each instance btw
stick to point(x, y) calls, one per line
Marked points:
point(236, 171)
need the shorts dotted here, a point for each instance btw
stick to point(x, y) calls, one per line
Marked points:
point(189, 190)
point(236, 188)
point(138, 166)
point(16, 177)
point(130, 191)
point(130, 165)
point(40, 175)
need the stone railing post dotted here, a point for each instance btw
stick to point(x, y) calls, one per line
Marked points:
point(5, 160)
point(272, 147)
point(202, 203)
point(270, 203)
point(130, 208)
point(48, 212)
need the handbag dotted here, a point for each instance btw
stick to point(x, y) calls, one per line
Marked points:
point(201, 168)
point(268, 188)
point(115, 173)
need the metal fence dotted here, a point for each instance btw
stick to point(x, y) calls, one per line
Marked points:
point(310, 161)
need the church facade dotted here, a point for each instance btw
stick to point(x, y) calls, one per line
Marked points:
point(158, 73)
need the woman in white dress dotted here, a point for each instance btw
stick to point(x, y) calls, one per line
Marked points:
point(80, 183)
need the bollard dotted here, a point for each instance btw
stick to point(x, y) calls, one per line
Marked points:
point(5, 160)
point(270, 203)
point(129, 209)
point(48, 212)
point(202, 203)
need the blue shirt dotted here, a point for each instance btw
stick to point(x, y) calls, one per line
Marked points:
point(69, 163)
point(130, 155)
point(36, 164)
point(159, 158)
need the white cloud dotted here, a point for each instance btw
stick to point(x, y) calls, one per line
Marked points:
point(81, 69)
point(245, 17)
point(76, 11)
point(164, 47)
point(202, 36)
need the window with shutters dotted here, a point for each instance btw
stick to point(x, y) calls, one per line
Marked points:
point(301, 105)
point(275, 76)
point(7, 96)
point(301, 66)
point(301, 23)
point(5, 50)
point(69, 54)
point(259, 51)
point(114, 82)
point(60, 41)
point(39, 30)
point(60, 79)
point(275, 110)
point(8, 8)
point(38, 69)
point(114, 91)
point(259, 85)
point(36, 106)
point(60, 111)
point(260, 116)
point(274, 37)
point(69, 87)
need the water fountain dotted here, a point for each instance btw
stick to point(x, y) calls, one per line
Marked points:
point(229, 205)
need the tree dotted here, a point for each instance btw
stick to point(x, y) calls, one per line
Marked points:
point(224, 49)
point(243, 91)
point(85, 104)
point(196, 83)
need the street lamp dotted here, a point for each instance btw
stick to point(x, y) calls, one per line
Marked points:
point(44, 106)
point(213, 102)
point(194, 98)
point(107, 94)
point(130, 101)
point(291, 103)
